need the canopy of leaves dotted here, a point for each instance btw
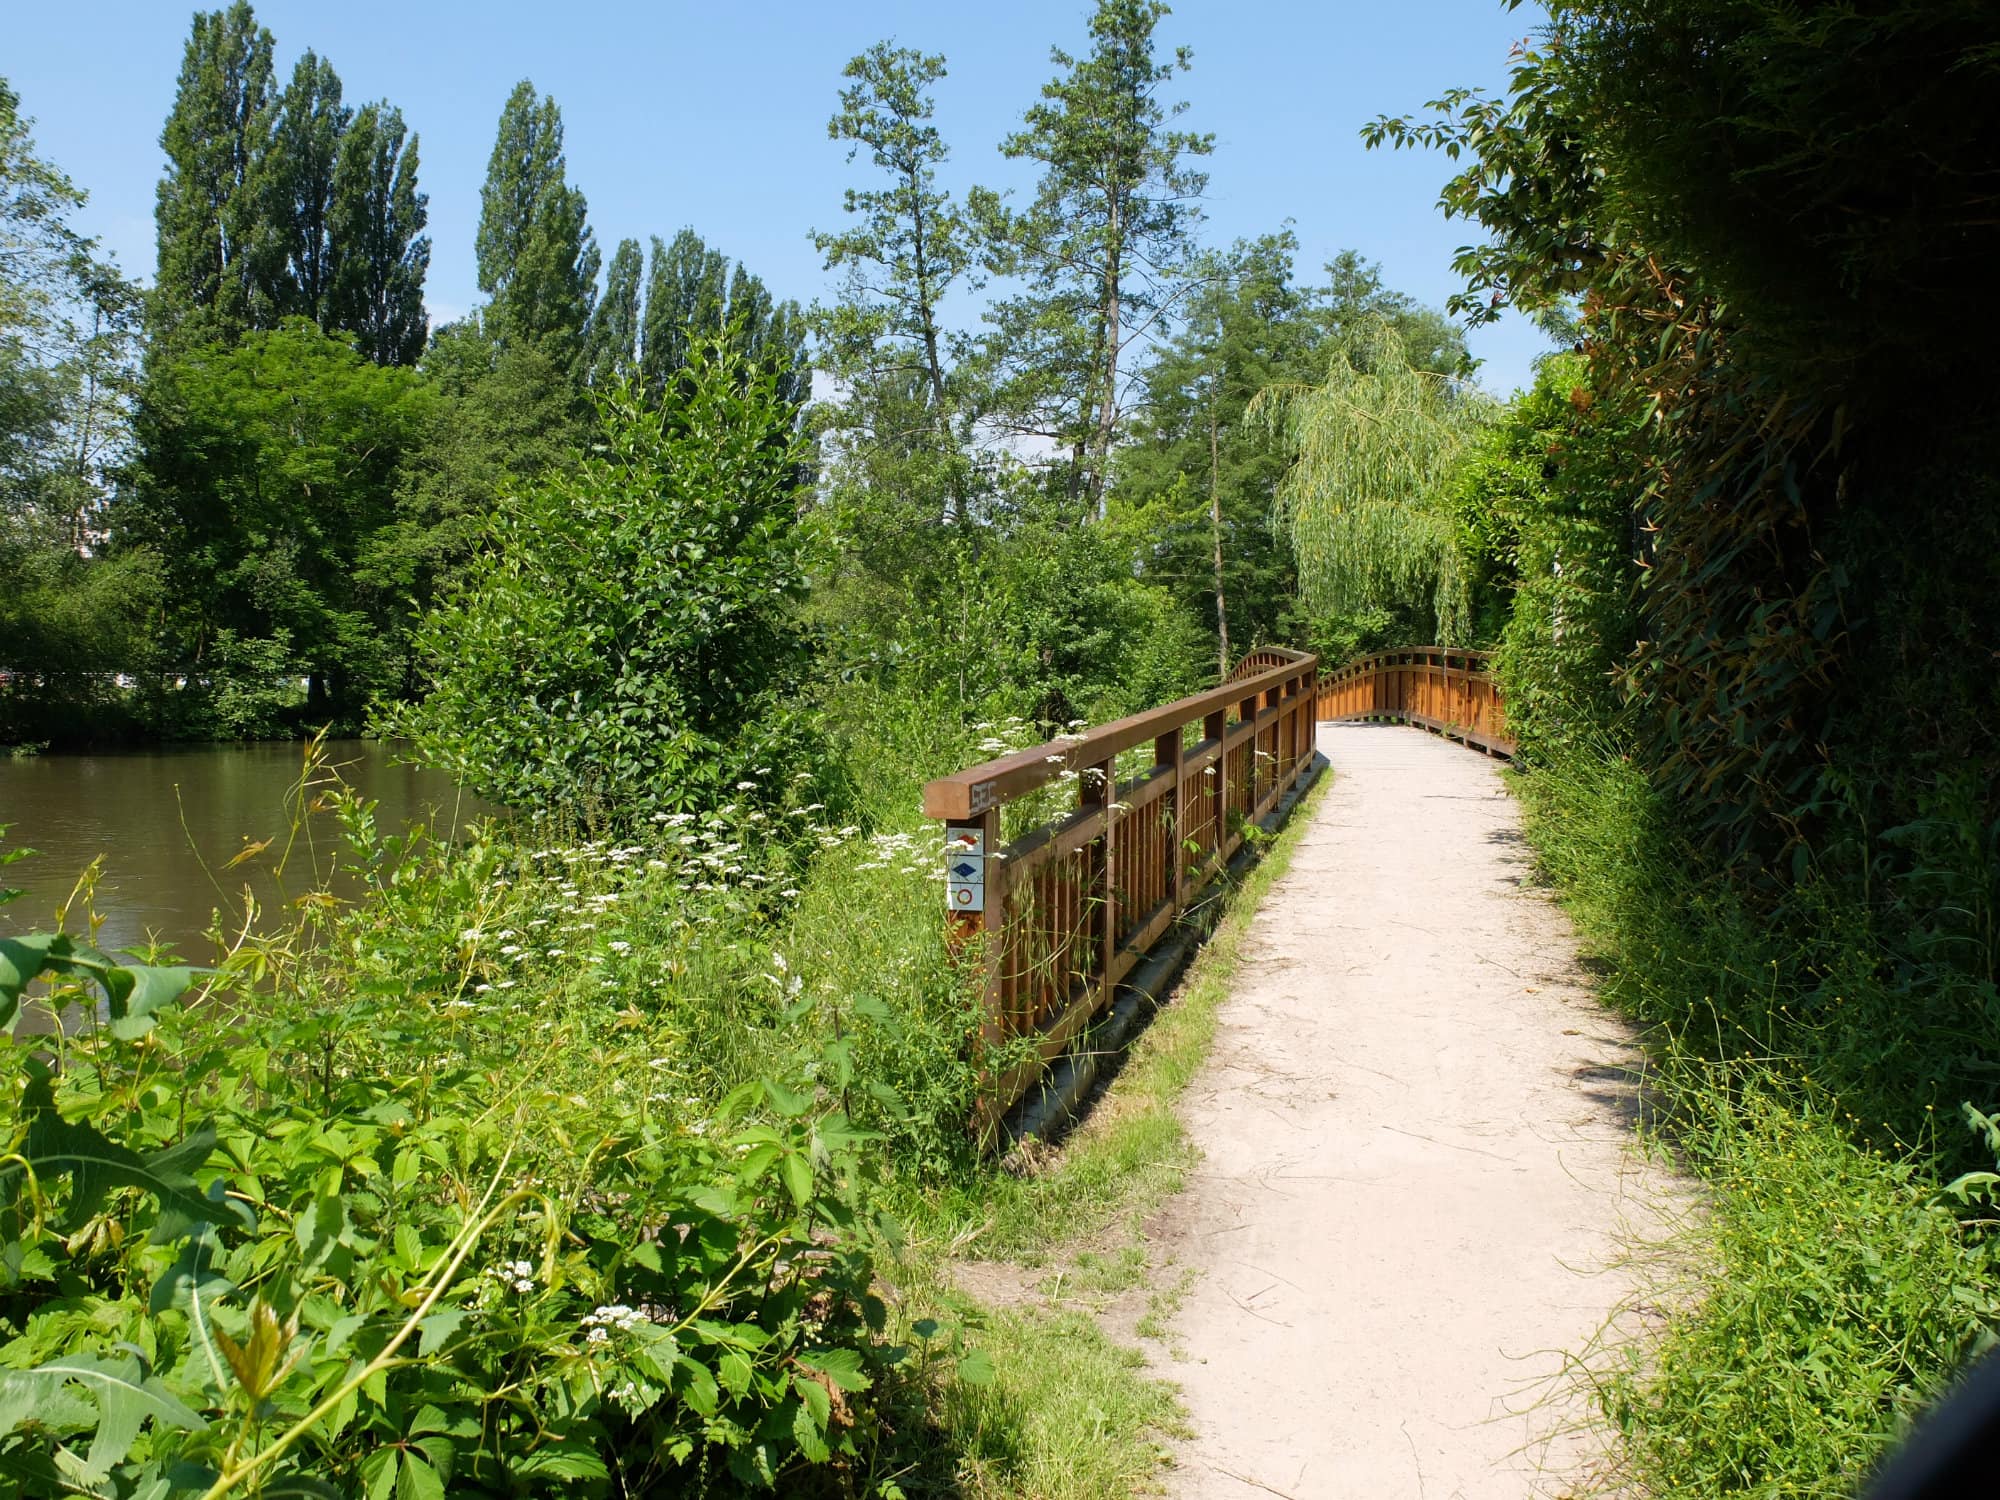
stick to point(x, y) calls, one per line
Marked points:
point(1367, 498)
point(629, 645)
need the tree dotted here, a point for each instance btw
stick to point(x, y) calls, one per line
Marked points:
point(68, 346)
point(629, 642)
point(1104, 249)
point(269, 468)
point(207, 211)
point(1355, 299)
point(293, 250)
point(692, 295)
point(908, 247)
point(286, 205)
point(538, 260)
point(1367, 499)
point(614, 325)
point(1197, 482)
point(377, 219)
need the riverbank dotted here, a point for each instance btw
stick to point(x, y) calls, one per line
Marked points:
point(755, 1034)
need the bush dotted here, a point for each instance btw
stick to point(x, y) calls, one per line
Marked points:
point(630, 645)
point(399, 1237)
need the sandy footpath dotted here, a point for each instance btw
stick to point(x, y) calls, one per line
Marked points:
point(1417, 1160)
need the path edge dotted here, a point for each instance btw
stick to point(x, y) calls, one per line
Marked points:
point(1068, 1088)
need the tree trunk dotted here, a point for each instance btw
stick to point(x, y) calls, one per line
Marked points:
point(1107, 408)
point(1215, 532)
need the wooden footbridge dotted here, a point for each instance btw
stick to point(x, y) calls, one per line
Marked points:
point(1067, 863)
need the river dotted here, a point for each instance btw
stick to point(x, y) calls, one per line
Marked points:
point(168, 822)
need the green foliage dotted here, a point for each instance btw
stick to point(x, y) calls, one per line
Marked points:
point(1198, 483)
point(207, 212)
point(693, 297)
point(1547, 544)
point(380, 253)
point(898, 433)
point(284, 202)
point(269, 468)
point(629, 645)
point(1366, 499)
point(537, 256)
point(1831, 1287)
point(375, 1280)
point(1103, 250)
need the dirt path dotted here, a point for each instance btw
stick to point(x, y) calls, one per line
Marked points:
point(1415, 1124)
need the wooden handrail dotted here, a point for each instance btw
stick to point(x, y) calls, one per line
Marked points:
point(1062, 913)
point(1446, 689)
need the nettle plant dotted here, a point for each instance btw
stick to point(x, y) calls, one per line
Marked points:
point(222, 1271)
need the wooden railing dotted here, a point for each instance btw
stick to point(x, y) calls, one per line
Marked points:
point(1445, 690)
point(1058, 913)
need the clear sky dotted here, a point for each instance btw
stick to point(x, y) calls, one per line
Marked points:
point(714, 115)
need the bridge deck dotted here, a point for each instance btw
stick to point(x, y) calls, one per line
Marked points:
point(1418, 1161)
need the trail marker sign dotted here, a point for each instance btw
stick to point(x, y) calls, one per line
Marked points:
point(965, 869)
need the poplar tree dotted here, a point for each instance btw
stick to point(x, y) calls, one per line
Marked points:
point(687, 295)
point(377, 221)
point(614, 325)
point(1106, 246)
point(538, 260)
point(206, 211)
point(293, 170)
point(692, 295)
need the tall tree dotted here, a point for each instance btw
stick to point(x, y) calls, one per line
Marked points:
point(1197, 482)
point(1368, 500)
point(538, 260)
point(614, 324)
point(207, 211)
point(907, 247)
point(68, 349)
point(270, 467)
point(295, 253)
point(692, 295)
point(687, 295)
point(1105, 248)
point(378, 218)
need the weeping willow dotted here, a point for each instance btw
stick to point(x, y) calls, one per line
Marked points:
point(1366, 500)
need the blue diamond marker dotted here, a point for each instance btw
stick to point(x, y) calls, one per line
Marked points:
point(964, 870)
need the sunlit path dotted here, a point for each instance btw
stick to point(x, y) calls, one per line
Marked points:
point(1417, 1157)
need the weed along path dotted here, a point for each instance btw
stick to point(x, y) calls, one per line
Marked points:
point(1415, 1124)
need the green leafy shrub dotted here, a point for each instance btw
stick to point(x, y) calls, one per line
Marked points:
point(285, 1262)
point(630, 643)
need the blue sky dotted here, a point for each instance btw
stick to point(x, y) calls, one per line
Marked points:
point(715, 115)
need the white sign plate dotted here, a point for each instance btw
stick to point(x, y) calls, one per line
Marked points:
point(966, 897)
point(959, 841)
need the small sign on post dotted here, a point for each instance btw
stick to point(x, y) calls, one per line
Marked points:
point(965, 870)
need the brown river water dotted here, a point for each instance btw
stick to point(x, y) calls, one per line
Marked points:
point(168, 822)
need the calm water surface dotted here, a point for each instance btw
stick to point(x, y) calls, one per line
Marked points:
point(168, 821)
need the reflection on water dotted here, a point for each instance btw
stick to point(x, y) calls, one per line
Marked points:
point(168, 822)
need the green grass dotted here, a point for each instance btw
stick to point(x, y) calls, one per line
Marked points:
point(1131, 1152)
point(1072, 1414)
point(1829, 1286)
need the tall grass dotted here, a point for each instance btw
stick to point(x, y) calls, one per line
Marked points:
point(1833, 1283)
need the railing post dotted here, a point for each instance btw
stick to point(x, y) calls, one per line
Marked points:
point(1246, 711)
point(975, 903)
point(1168, 751)
point(1097, 787)
point(1216, 727)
